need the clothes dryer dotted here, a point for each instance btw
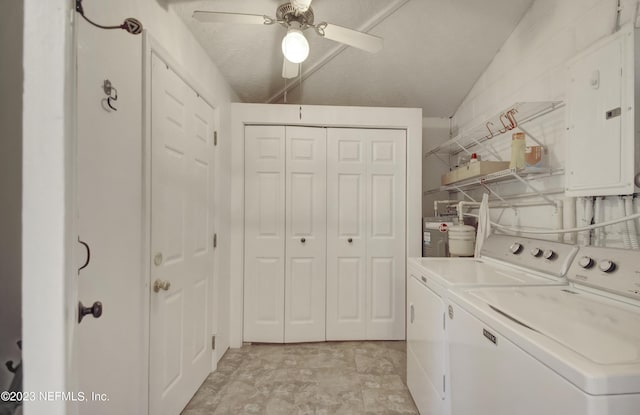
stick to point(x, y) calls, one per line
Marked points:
point(504, 261)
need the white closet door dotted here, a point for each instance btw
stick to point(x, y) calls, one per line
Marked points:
point(346, 235)
point(264, 234)
point(181, 242)
point(305, 271)
point(386, 210)
point(366, 234)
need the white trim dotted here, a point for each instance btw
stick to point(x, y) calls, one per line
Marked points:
point(409, 119)
point(148, 45)
point(49, 280)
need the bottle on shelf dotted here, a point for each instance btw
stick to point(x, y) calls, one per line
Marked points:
point(517, 151)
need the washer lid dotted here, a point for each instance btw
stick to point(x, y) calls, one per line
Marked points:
point(591, 340)
point(456, 272)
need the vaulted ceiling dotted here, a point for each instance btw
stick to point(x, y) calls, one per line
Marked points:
point(434, 50)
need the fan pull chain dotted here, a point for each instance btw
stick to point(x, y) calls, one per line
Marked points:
point(300, 82)
point(285, 90)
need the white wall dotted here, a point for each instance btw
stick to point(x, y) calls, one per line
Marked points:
point(434, 131)
point(111, 192)
point(10, 183)
point(531, 66)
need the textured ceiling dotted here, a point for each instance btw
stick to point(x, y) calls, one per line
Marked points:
point(434, 50)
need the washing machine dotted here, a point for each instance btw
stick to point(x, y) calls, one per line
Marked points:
point(504, 261)
point(572, 350)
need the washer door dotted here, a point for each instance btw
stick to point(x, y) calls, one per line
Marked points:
point(489, 375)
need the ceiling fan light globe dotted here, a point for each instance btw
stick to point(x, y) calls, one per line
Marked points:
point(295, 46)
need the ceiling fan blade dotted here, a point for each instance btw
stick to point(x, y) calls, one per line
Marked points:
point(350, 37)
point(289, 69)
point(238, 18)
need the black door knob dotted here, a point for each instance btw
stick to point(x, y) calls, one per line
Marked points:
point(95, 310)
point(350, 240)
point(303, 240)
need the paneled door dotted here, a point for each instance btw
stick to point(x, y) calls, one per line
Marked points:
point(346, 235)
point(386, 212)
point(181, 241)
point(285, 234)
point(305, 269)
point(366, 212)
point(264, 234)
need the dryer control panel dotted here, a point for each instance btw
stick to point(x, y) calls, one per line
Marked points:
point(613, 270)
point(549, 257)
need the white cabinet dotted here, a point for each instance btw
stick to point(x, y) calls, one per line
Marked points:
point(601, 116)
point(324, 210)
point(366, 233)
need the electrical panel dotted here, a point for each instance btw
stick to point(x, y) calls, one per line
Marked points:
point(602, 118)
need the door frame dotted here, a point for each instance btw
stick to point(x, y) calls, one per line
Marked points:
point(49, 272)
point(152, 46)
point(409, 119)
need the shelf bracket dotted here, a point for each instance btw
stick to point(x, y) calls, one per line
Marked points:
point(445, 162)
point(463, 148)
point(532, 188)
point(488, 189)
point(459, 189)
point(538, 142)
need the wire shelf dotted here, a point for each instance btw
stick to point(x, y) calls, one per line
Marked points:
point(511, 118)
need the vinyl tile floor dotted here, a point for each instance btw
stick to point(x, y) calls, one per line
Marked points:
point(308, 378)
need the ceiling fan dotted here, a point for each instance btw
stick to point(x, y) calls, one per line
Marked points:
point(296, 16)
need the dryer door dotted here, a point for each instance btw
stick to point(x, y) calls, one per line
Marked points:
point(425, 346)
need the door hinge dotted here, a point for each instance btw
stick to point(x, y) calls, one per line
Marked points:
point(444, 384)
point(215, 138)
point(215, 240)
point(213, 342)
point(444, 321)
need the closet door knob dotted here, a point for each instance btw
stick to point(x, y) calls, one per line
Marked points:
point(350, 240)
point(161, 285)
point(303, 240)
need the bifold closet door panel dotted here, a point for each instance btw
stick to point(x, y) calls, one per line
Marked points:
point(305, 247)
point(346, 235)
point(264, 250)
point(366, 177)
point(386, 211)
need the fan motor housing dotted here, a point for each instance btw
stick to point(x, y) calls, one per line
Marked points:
point(286, 14)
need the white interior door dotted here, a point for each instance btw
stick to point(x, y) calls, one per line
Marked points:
point(305, 249)
point(346, 235)
point(181, 241)
point(386, 210)
point(366, 234)
point(264, 234)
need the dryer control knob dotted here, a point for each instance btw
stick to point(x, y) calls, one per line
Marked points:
point(585, 262)
point(549, 254)
point(516, 248)
point(607, 265)
point(536, 252)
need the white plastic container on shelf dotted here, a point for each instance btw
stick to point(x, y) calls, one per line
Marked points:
point(518, 146)
point(462, 240)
